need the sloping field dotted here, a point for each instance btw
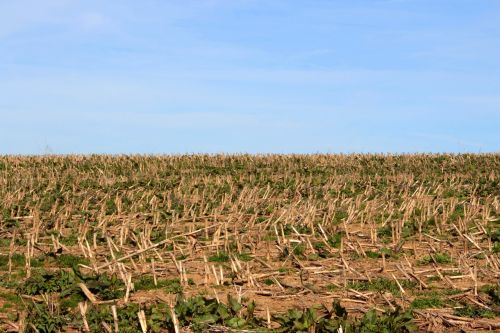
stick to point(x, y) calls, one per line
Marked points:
point(319, 243)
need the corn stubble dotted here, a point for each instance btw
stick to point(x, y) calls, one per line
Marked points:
point(316, 243)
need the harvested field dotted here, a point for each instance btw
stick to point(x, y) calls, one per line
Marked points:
point(319, 243)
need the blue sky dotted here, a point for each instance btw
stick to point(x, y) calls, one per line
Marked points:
point(240, 76)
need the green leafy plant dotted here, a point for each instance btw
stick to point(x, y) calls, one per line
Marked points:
point(335, 240)
point(200, 312)
point(440, 258)
point(17, 260)
point(47, 282)
point(172, 286)
point(494, 236)
point(322, 320)
point(127, 318)
point(474, 311)
point(396, 321)
point(381, 285)
point(106, 288)
point(244, 256)
point(219, 257)
point(493, 291)
point(41, 320)
point(69, 260)
point(427, 302)
point(299, 250)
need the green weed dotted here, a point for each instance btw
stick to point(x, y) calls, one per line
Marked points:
point(381, 285)
point(427, 302)
point(220, 257)
point(474, 311)
point(440, 258)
